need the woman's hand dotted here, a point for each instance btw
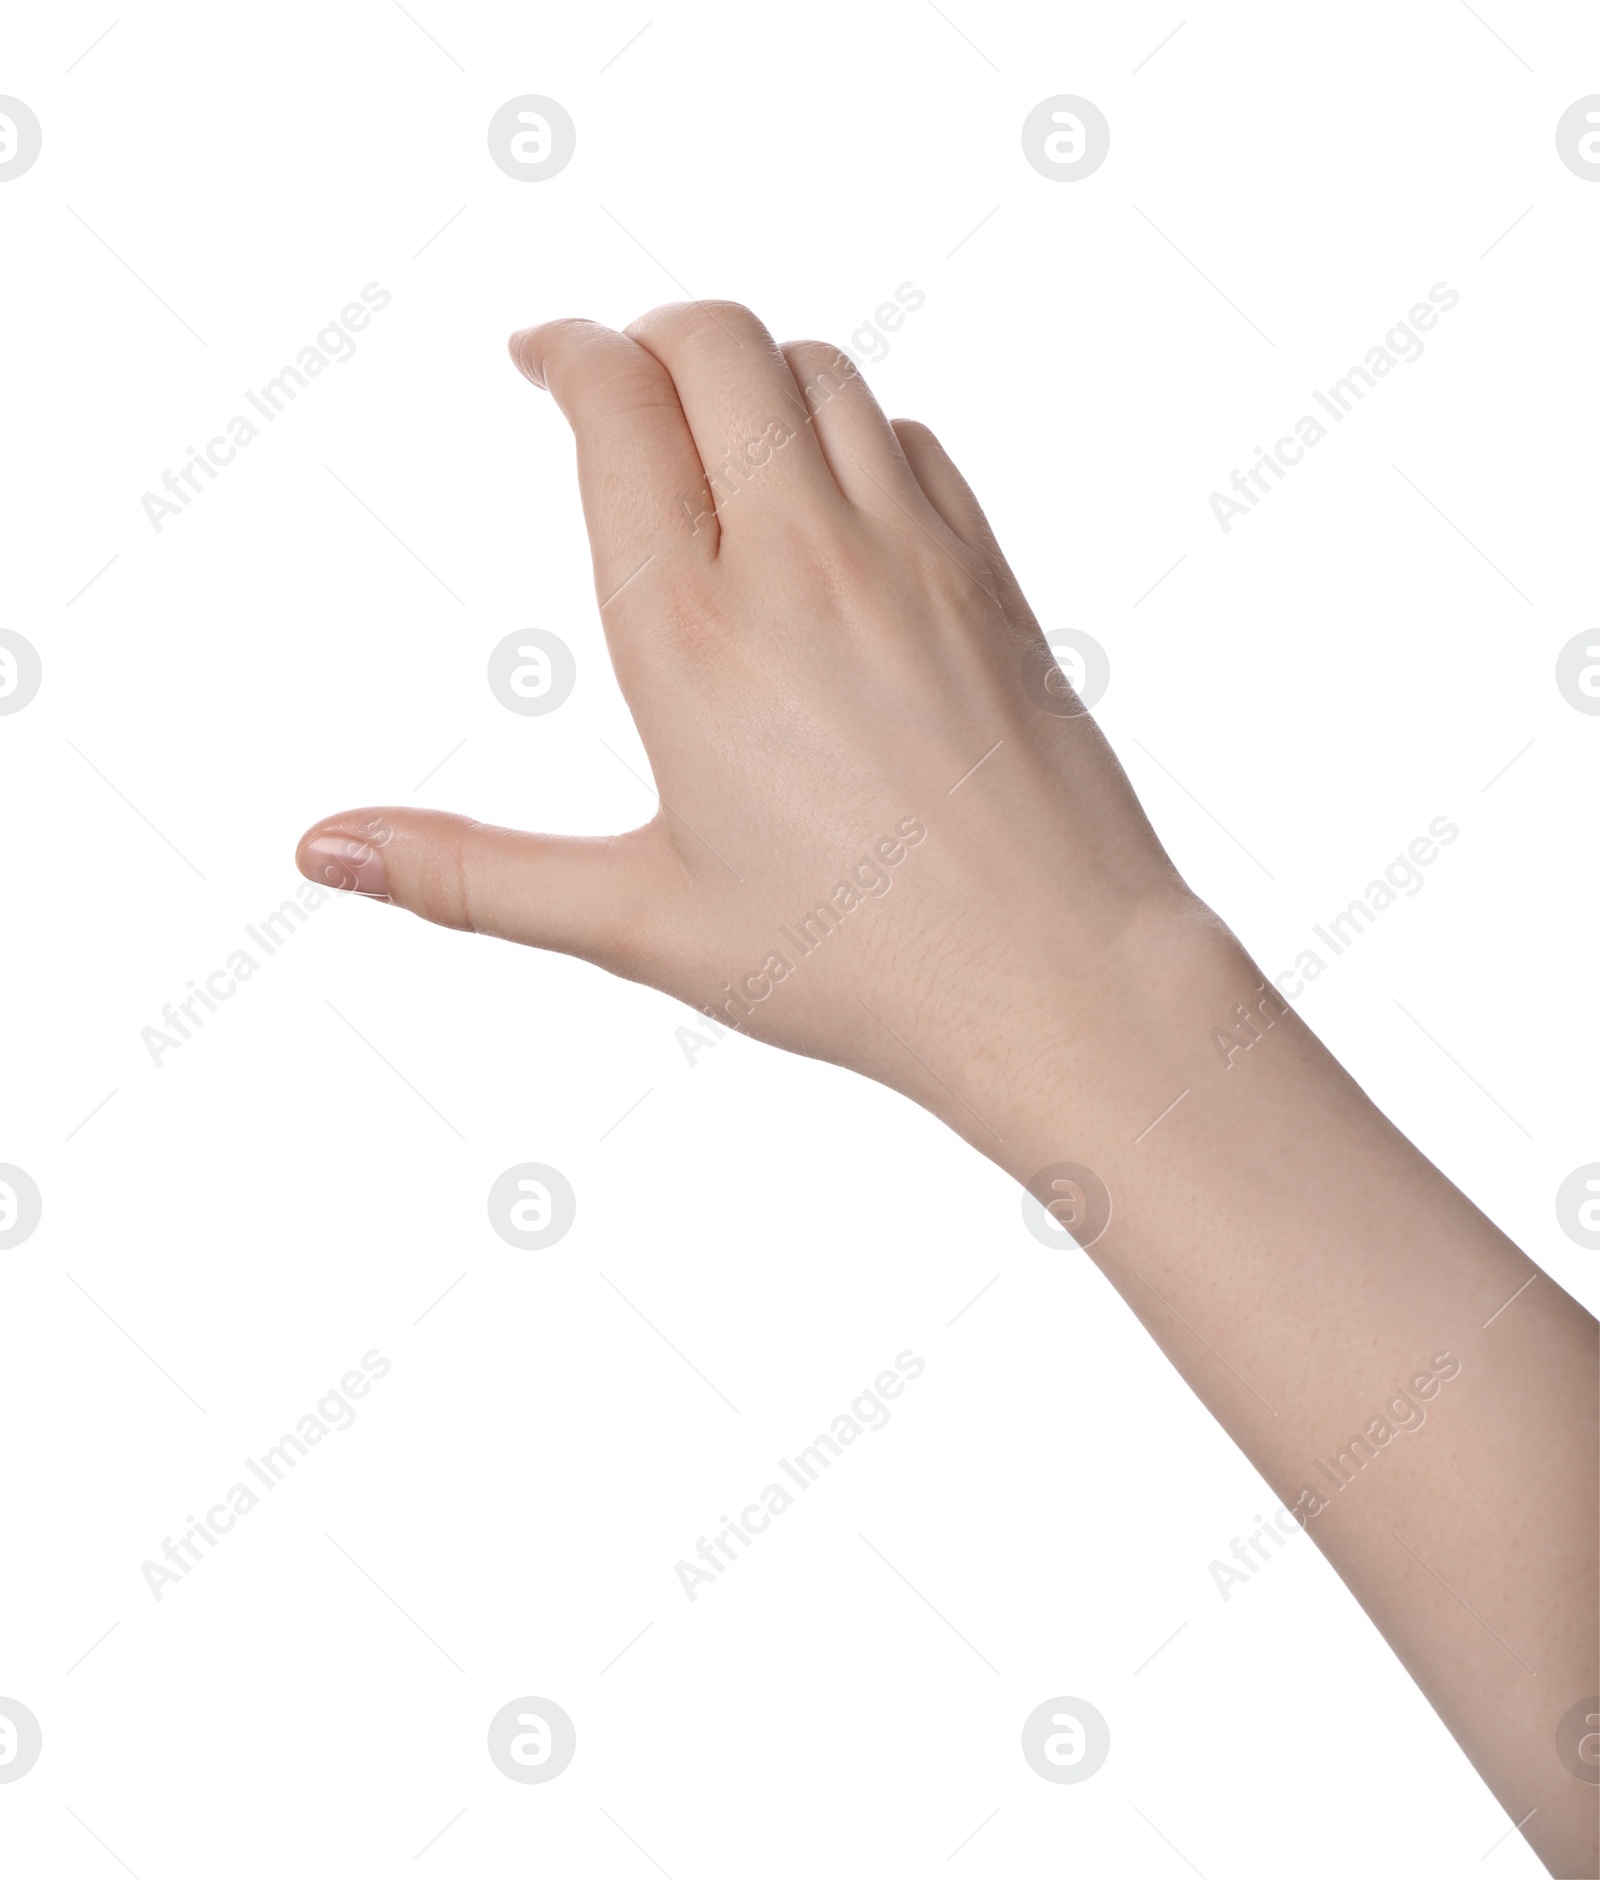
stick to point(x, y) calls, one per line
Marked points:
point(888, 831)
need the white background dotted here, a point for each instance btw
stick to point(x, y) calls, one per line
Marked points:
point(276, 1199)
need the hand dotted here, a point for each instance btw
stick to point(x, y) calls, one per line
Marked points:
point(889, 837)
point(887, 828)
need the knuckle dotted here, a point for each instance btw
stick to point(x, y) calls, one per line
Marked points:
point(562, 343)
point(810, 352)
point(699, 322)
point(821, 370)
point(441, 885)
point(914, 432)
point(566, 329)
point(731, 313)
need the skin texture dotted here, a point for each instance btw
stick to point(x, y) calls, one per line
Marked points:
point(825, 652)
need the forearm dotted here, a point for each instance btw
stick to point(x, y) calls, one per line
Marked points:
point(1414, 1390)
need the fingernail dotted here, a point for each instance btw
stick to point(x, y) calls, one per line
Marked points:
point(348, 863)
point(518, 349)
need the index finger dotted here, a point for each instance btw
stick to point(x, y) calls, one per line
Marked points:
point(640, 476)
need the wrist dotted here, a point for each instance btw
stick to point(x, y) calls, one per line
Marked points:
point(1053, 1051)
point(1116, 1047)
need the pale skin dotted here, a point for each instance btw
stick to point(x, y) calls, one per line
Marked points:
point(822, 645)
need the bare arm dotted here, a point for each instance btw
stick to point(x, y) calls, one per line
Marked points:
point(890, 838)
point(1417, 1393)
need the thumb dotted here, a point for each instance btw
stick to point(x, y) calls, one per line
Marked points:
point(585, 895)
